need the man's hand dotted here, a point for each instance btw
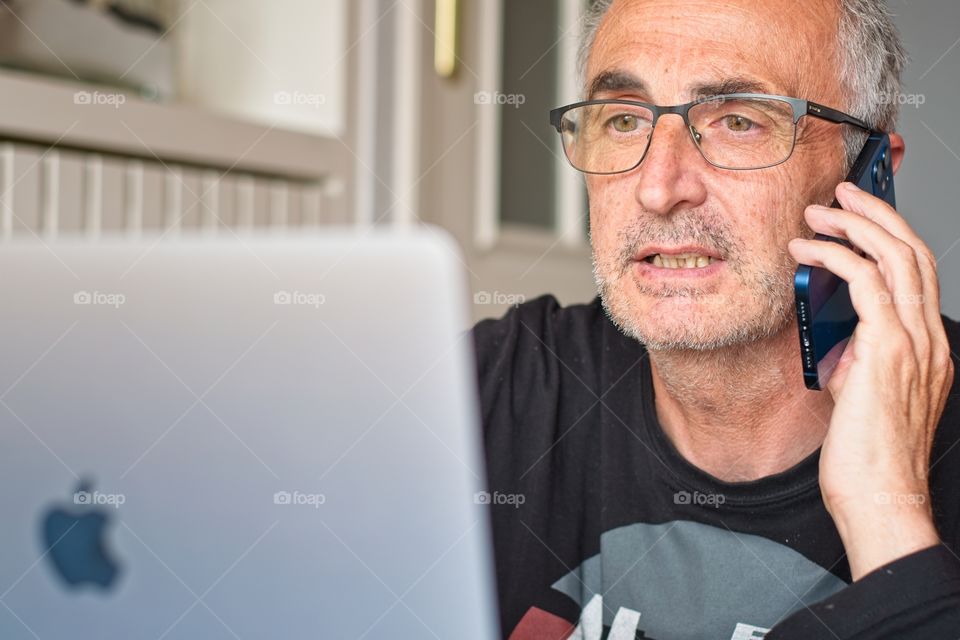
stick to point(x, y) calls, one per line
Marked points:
point(889, 387)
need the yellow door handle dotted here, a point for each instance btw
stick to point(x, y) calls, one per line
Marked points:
point(445, 42)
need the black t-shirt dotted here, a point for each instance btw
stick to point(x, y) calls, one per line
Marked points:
point(603, 530)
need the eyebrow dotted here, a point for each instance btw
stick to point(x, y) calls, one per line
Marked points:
point(616, 80)
point(736, 84)
point(609, 81)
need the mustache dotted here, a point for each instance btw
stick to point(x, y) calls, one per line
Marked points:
point(703, 228)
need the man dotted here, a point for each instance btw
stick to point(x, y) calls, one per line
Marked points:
point(678, 479)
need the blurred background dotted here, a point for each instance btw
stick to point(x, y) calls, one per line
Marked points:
point(163, 116)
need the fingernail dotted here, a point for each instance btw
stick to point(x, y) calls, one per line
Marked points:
point(849, 186)
point(820, 208)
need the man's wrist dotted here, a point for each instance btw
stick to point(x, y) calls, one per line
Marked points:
point(885, 532)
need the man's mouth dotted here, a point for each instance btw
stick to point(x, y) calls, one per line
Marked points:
point(680, 260)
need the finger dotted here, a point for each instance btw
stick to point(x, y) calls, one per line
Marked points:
point(935, 363)
point(879, 320)
point(854, 199)
point(896, 261)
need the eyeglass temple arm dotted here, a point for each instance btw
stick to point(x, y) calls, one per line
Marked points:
point(555, 116)
point(821, 111)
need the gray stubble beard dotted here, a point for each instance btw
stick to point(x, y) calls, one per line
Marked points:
point(772, 287)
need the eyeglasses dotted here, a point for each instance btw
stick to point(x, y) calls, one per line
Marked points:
point(737, 131)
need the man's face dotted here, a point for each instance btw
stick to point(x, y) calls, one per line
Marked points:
point(677, 203)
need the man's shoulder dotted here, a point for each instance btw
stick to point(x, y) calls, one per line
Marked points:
point(952, 328)
point(541, 318)
point(945, 457)
point(536, 344)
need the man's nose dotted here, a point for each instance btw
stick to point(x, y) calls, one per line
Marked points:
point(670, 174)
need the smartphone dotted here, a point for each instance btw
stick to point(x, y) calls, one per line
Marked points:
point(825, 315)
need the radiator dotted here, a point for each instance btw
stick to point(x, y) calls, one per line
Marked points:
point(46, 191)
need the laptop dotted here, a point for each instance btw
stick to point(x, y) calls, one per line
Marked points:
point(251, 437)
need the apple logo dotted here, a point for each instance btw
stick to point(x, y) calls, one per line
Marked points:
point(73, 538)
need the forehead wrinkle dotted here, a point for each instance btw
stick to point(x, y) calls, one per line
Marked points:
point(619, 81)
point(702, 74)
point(635, 31)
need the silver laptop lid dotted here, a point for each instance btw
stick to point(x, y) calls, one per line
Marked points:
point(257, 437)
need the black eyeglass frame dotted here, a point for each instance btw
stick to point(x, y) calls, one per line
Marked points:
point(800, 108)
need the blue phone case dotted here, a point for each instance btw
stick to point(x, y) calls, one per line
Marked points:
point(825, 315)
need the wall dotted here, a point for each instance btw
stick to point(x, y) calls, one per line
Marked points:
point(279, 63)
point(928, 184)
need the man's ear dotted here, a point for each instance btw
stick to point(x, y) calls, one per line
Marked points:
point(897, 149)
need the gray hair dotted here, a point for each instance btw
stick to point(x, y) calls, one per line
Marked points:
point(872, 59)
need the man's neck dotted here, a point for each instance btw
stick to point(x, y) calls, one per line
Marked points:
point(740, 413)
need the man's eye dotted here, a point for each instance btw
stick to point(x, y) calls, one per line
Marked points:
point(624, 123)
point(737, 123)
